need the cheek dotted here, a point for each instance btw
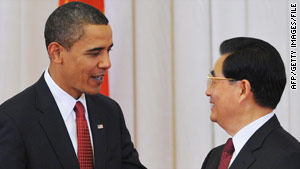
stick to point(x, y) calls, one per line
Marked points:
point(85, 69)
point(217, 95)
point(86, 74)
point(223, 101)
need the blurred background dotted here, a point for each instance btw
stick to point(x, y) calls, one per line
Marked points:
point(163, 51)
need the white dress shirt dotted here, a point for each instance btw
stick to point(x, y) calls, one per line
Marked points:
point(242, 136)
point(66, 104)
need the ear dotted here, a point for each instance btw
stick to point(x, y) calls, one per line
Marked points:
point(245, 90)
point(55, 51)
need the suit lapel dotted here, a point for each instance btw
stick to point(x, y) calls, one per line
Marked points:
point(245, 158)
point(215, 160)
point(214, 164)
point(97, 118)
point(54, 126)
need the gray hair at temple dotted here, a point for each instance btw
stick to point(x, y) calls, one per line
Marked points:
point(65, 24)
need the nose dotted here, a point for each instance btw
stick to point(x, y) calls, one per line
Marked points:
point(104, 62)
point(208, 91)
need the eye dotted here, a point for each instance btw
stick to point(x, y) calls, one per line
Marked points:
point(94, 53)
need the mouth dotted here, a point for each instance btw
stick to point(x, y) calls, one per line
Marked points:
point(212, 104)
point(98, 78)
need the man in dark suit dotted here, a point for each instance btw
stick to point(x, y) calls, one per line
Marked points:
point(61, 122)
point(245, 87)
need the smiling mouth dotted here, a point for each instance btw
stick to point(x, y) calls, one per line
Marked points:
point(99, 78)
point(212, 104)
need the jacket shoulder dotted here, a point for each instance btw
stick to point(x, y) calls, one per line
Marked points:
point(213, 158)
point(20, 101)
point(102, 101)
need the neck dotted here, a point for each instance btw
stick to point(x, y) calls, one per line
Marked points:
point(60, 81)
point(248, 115)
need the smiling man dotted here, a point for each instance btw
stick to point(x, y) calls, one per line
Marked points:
point(245, 87)
point(62, 122)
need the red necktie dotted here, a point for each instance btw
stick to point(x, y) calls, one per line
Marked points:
point(226, 154)
point(85, 153)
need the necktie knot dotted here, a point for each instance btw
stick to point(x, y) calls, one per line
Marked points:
point(229, 147)
point(79, 109)
point(226, 154)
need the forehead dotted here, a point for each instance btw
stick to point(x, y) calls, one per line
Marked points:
point(219, 65)
point(94, 36)
point(97, 31)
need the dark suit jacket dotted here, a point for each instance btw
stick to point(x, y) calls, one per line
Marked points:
point(270, 147)
point(33, 134)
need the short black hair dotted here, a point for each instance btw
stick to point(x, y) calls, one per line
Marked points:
point(258, 62)
point(65, 24)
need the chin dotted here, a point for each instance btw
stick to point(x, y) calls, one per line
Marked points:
point(213, 118)
point(93, 92)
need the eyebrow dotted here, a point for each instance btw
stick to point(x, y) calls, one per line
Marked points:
point(99, 48)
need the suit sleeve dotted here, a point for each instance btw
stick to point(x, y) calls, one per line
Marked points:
point(130, 157)
point(12, 151)
point(290, 161)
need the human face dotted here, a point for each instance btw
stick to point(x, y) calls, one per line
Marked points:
point(85, 64)
point(223, 97)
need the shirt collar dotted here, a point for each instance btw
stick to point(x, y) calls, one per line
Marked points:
point(241, 137)
point(64, 101)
